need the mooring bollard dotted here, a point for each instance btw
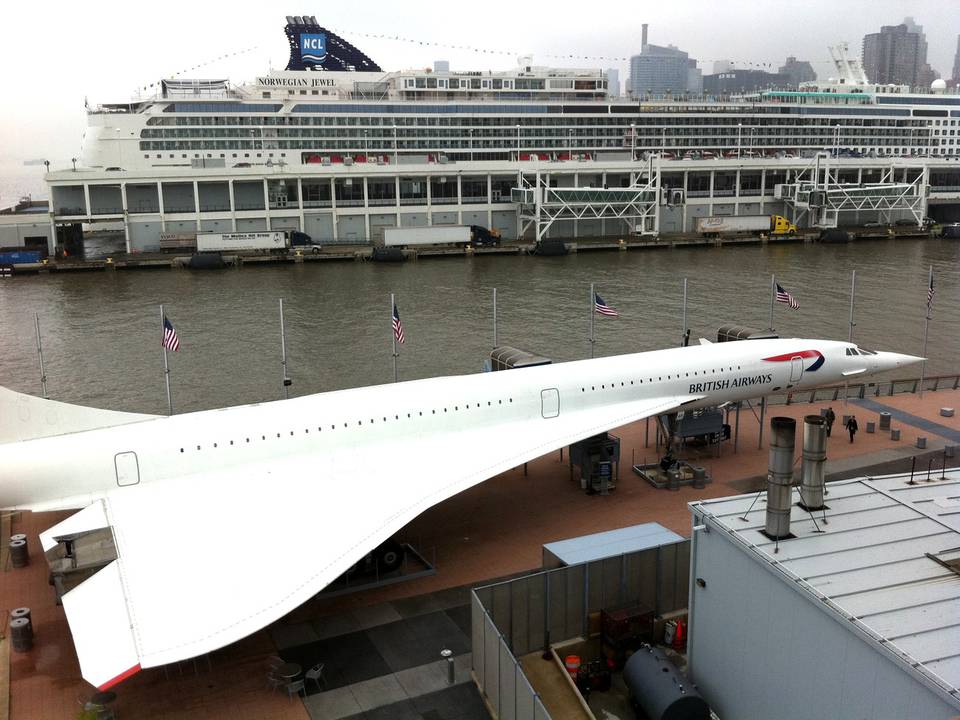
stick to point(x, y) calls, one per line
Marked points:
point(22, 612)
point(451, 670)
point(19, 554)
point(21, 634)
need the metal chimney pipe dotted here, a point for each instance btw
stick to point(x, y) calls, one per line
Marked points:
point(814, 457)
point(643, 38)
point(783, 431)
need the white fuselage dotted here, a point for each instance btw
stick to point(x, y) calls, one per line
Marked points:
point(71, 470)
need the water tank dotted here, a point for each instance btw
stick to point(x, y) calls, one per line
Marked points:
point(660, 690)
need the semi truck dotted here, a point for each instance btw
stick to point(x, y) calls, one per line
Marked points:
point(269, 241)
point(719, 224)
point(440, 235)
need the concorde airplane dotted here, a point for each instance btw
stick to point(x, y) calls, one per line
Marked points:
point(225, 520)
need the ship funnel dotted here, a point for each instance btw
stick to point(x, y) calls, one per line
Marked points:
point(783, 432)
point(814, 458)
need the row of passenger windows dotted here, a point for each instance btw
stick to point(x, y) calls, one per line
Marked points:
point(696, 373)
point(372, 421)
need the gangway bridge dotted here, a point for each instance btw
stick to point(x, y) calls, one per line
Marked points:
point(637, 205)
point(818, 196)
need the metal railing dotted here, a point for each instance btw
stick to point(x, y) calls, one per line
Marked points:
point(859, 391)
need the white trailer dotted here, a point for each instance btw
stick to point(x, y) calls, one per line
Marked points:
point(733, 223)
point(275, 240)
point(433, 235)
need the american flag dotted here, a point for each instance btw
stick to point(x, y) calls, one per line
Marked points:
point(784, 297)
point(930, 293)
point(601, 307)
point(397, 326)
point(170, 339)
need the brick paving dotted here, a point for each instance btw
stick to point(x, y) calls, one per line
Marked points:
point(492, 530)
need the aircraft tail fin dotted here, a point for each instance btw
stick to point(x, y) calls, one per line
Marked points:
point(25, 417)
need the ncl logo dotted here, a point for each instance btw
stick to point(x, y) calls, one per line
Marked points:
point(313, 47)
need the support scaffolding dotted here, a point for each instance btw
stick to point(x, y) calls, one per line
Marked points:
point(817, 197)
point(637, 206)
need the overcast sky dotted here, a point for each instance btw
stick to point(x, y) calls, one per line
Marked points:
point(53, 54)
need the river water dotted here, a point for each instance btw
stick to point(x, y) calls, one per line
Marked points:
point(101, 330)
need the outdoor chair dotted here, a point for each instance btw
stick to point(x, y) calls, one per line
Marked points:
point(316, 674)
point(274, 682)
point(295, 688)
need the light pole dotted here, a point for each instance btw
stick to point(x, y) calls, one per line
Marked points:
point(633, 141)
point(395, 145)
point(570, 144)
point(836, 140)
point(366, 144)
point(74, 161)
point(470, 140)
point(739, 135)
point(518, 143)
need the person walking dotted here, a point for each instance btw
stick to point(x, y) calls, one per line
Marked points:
point(830, 416)
point(852, 426)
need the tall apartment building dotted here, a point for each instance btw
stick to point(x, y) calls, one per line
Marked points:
point(956, 63)
point(897, 54)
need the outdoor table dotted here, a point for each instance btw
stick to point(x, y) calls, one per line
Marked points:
point(288, 671)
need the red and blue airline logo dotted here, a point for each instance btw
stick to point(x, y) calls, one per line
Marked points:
point(787, 357)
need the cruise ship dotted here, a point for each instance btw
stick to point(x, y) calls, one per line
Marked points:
point(340, 149)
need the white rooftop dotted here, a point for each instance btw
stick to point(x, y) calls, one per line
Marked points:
point(872, 557)
point(611, 543)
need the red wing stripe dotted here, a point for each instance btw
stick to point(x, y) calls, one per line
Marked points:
point(789, 356)
point(120, 678)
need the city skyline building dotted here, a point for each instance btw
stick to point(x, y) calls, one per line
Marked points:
point(744, 81)
point(798, 71)
point(956, 63)
point(898, 55)
point(658, 70)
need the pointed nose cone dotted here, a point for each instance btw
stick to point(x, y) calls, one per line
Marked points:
point(892, 361)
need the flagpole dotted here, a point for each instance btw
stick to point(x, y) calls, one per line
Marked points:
point(683, 333)
point(393, 336)
point(773, 294)
point(166, 365)
point(495, 317)
point(43, 375)
point(852, 324)
point(926, 329)
point(284, 380)
point(593, 312)
point(853, 292)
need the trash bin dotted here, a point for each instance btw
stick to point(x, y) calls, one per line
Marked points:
point(921, 443)
point(871, 426)
point(884, 421)
point(895, 434)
